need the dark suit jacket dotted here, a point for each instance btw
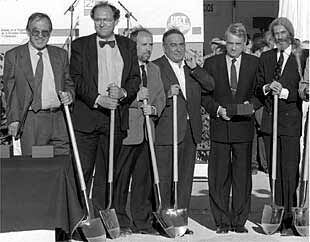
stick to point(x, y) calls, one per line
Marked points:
point(18, 80)
point(195, 81)
point(289, 110)
point(84, 71)
point(239, 128)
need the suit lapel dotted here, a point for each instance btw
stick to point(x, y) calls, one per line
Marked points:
point(123, 51)
point(93, 58)
point(242, 74)
point(290, 65)
point(26, 65)
point(170, 74)
point(225, 77)
point(56, 67)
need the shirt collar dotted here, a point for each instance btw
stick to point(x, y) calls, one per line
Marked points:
point(229, 59)
point(287, 51)
point(111, 38)
point(175, 64)
point(35, 51)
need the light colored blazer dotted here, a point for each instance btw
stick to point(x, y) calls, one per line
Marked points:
point(157, 98)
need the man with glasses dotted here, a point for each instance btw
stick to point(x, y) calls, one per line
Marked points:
point(36, 83)
point(105, 69)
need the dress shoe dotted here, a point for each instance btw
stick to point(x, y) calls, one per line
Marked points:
point(149, 230)
point(189, 231)
point(287, 232)
point(222, 230)
point(124, 231)
point(239, 229)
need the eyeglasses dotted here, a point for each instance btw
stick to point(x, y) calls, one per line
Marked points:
point(43, 33)
point(106, 21)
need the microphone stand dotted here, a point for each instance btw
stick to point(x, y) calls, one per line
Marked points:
point(71, 10)
point(127, 16)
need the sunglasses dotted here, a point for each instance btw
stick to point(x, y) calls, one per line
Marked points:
point(43, 33)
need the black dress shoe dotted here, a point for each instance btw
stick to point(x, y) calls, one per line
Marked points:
point(222, 230)
point(124, 231)
point(189, 231)
point(239, 229)
point(150, 230)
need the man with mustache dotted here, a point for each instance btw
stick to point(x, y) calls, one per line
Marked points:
point(278, 75)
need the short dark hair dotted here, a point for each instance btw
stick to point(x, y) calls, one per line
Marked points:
point(135, 32)
point(37, 16)
point(106, 4)
point(172, 31)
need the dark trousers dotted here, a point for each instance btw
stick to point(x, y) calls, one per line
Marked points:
point(230, 167)
point(186, 164)
point(288, 155)
point(94, 150)
point(134, 161)
point(45, 128)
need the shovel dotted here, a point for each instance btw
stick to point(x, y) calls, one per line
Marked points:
point(92, 227)
point(272, 214)
point(163, 221)
point(179, 216)
point(108, 215)
point(301, 214)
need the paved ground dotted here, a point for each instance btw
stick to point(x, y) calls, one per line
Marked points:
point(200, 221)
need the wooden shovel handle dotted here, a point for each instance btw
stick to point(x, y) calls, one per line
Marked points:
point(306, 149)
point(151, 145)
point(175, 139)
point(274, 136)
point(111, 146)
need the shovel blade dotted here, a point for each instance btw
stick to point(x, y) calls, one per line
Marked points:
point(301, 220)
point(272, 218)
point(93, 230)
point(110, 221)
point(179, 219)
point(165, 223)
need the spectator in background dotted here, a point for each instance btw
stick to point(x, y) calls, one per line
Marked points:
point(259, 46)
point(269, 39)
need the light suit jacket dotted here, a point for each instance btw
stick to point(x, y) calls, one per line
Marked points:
point(157, 98)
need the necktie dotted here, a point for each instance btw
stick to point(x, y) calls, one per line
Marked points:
point(277, 72)
point(102, 43)
point(144, 78)
point(233, 77)
point(36, 104)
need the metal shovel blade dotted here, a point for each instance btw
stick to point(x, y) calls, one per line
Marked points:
point(179, 219)
point(93, 230)
point(271, 218)
point(165, 223)
point(301, 220)
point(110, 221)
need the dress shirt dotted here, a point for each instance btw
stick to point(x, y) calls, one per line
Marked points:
point(286, 54)
point(237, 65)
point(178, 69)
point(49, 95)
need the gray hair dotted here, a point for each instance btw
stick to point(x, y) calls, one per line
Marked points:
point(238, 30)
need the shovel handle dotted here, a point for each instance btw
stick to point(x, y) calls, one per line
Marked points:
point(111, 146)
point(175, 139)
point(151, 145)
point(306, 149)
point(274, 145)
point(76, 157)
point(274, 136)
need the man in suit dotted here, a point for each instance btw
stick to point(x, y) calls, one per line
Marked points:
point(278, 75)
point(105, 68)
point(36, 83)
point(186, 80)
point(231, 135)
point(134, 158)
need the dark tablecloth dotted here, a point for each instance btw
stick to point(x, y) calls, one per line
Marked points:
point(38, 193)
